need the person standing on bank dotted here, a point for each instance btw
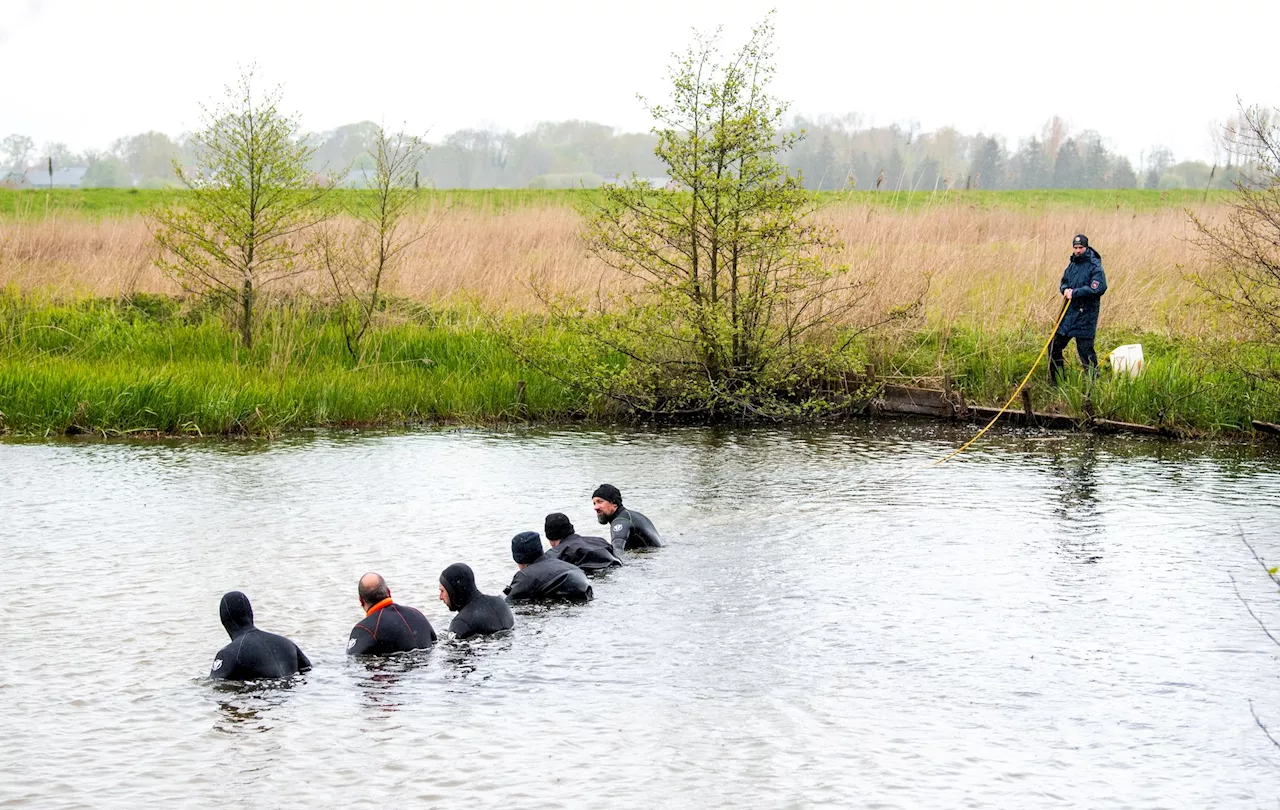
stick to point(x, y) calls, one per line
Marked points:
point(1083, 284)
point(628, 529)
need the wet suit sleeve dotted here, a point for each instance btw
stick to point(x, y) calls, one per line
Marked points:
point(521, 587)
point(360, 642)
point(304, 663)
point(620, 532)
point(224, 663)
point(1097, 283)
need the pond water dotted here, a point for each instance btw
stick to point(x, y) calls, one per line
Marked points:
point(1044, 621)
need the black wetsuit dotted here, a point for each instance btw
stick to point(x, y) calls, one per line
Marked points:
point(478, 614)
point(591, 554)
point(253, 654)
point(549, 579)
point(630, 529)
point(390, 628)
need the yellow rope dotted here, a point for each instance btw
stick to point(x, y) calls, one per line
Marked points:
point(1016, 391)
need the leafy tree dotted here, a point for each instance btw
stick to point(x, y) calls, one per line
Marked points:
point(1095, 161)
point(1030, 165)
point(1123, 175)
point(60, 154)
point(251, 210)
point(106, 171)
point(1244, 251)
point(987, 169)
point(727, 280)
point(149, 155)
point(1066, 166)
point(17, 150)
point(1158, 162)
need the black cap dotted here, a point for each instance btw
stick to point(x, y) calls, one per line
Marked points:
point(1080, 241)
point(526, 547)
point(557, 526)
point(609, 493)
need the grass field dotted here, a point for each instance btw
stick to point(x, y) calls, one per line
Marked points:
point(28, 204)
point(93, 338)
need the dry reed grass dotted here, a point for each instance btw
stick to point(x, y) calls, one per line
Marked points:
point(996, 269)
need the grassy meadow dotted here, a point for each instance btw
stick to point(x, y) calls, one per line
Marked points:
point(93, 337)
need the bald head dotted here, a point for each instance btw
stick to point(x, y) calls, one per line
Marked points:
point(373, 589)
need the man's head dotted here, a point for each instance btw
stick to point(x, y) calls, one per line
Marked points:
point(606, 500)
point(557, 527)
point(1080, 244)
point(526, 548)
point(236, 613)
point(372, 590)
point(457, 586)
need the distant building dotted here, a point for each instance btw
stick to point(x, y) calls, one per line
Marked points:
point(38, 177)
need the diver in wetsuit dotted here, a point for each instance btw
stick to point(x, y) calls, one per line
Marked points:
point(628, 529)
point(591, 554)
point(253, 654)
point(478, 614)
point(387, 627)
point(542, 577)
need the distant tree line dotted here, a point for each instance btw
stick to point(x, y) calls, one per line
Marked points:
point(837, 152)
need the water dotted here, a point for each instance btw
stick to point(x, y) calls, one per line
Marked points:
point(1038, 623)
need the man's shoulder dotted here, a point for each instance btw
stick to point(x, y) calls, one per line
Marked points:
point(408, 611)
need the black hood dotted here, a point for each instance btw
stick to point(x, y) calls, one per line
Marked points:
point(236, 613)
point(459, 582)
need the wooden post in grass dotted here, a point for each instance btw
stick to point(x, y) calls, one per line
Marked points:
point(1028, 415)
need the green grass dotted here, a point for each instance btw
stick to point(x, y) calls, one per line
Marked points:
point(1186, 386)
point(150, 364)
point(115, 202)
point(147, 365)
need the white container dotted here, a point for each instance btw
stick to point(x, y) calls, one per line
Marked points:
point(1127, 358)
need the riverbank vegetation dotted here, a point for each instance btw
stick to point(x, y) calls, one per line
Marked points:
point(146, 364)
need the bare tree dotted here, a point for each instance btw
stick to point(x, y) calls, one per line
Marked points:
point(1244, 252)
point(359, 262)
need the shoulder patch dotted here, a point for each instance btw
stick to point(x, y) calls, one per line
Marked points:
point(217, 664)
point(618, 528)
point(351, 643)
point(1094, 284)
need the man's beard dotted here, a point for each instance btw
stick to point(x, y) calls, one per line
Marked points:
point(601, 517)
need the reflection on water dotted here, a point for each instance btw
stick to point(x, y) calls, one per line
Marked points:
point(1078, 510)
point(1044, 621)
point(381, 678)
point(250, 706)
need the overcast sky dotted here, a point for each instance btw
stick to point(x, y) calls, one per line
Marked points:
point(1141, 73)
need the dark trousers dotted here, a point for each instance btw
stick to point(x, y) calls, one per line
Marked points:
point(1084, 348)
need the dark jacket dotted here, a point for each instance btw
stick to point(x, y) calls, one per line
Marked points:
point(478, 614)
point(1087, 282)
point(591, 554)
point(630, 529)
point(549, 579)
point(390, 628)
point(253, 654)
